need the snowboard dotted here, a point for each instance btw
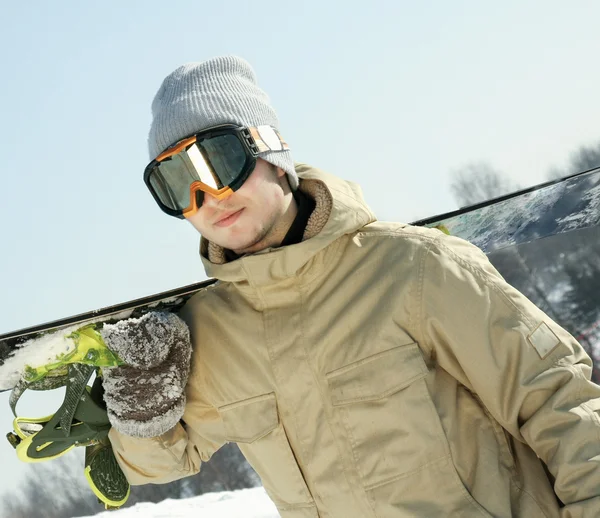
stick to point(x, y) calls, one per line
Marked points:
point(44, 343)
point(536, 238)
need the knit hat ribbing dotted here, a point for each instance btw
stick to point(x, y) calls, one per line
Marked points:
point(197, 96)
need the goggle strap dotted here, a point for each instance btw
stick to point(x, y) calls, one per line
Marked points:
point(267, 138)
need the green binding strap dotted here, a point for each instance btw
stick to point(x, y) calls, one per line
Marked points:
point(57, 379)
point(86, 422)
point(72, 370)
point(81, 420)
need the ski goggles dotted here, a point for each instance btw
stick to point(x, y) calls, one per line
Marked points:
point(216, 161)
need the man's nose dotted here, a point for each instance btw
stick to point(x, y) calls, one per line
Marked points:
point(206, 199)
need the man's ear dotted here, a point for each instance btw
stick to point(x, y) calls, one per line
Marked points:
point(283, 180)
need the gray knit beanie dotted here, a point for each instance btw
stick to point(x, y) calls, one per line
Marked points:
point(198, 96)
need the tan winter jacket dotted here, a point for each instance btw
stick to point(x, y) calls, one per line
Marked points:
point(382, 370)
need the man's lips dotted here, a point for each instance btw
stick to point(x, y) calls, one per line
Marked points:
point(228, 218)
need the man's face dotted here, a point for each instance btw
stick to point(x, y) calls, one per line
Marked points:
point(249, 219)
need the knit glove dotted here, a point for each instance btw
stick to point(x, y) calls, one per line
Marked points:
point(146, 397)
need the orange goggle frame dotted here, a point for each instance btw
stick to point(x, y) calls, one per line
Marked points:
point(198, 161)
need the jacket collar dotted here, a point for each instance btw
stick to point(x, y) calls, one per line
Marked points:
point(340, 209)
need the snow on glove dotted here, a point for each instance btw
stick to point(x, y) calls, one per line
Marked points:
point(146, 397)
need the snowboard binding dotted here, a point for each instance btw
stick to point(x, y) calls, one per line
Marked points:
point(81, 420)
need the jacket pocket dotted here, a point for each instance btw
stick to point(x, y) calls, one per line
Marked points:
point(254, 425)
point(390, 420)
point(377, 376)
point(398, 443)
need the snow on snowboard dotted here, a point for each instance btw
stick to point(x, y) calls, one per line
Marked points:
point(558, 217)
point(24, 351)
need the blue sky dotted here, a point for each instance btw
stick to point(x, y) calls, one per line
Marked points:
point(394, 95)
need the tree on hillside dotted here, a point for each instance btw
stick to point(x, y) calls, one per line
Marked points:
point(57, 488)
point(583, 159)
point(478, 182)
point(584, 280)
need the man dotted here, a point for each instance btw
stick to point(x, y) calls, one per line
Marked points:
point(365, 369)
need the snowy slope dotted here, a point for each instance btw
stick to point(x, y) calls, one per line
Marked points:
point(246, 503)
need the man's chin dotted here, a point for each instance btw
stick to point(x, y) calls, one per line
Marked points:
point(239, 246)
point(245, 242)
point(249, 246)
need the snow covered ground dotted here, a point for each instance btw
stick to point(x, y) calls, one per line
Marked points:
point(246, 503)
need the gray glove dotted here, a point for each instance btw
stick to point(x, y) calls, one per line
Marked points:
point(146, 397)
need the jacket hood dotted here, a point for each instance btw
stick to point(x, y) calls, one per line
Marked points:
point(348, 213)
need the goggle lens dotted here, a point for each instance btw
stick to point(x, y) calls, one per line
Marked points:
point(216, 162)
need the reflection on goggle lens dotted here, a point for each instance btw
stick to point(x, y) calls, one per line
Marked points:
point(216, 162)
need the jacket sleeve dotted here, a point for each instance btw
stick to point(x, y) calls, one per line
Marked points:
point(156, 460)
point(530, 373)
